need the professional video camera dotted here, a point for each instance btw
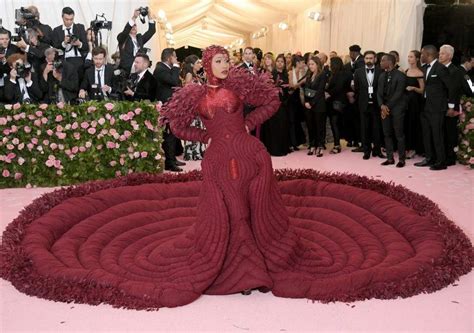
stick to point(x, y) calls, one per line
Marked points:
point(121, 82)
point(143, 13)
point(100, 23)
point(22, 70)
point(58, 60)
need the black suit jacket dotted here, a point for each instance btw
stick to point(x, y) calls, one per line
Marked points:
point(466, 87)
point(396, 97)
point(339, 85)
point(166, 80)
point(438, 89)
point(125, 44)
point(361, 87)
point(13, 93)
point(69, 84)
point(456, 78)
point(4, 67)
point(318, 84)
point(89, 78)
point(57, 38)
point(359, 63)
point(36, 57)
point(146, 88)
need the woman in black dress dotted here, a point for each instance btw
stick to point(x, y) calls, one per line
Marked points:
point(415, 88)
point(315, 105)
point(336, 94)
point(274, 132)
point(296, 115)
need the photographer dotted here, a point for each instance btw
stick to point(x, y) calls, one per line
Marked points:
point(34, 49)
point(97, 82)
point(71, 38)
point(130, 42)
point(142, 84)
point(30, 19)
point(6, 49)
point(59, 80)
point(22, 86)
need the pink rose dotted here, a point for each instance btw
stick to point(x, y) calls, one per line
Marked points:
point(27, 129)
point(16, 106)
point(118, 173)
point(157, 157)
point(57, 164)
point(75, 149)
point(68, 152)
point(82, 149)
point(112, 131)
point(91, 109)
point(470, 126)
point(73, 114)
point(8, 106)
point(44, 120)
point(15, 141)
point(61, 135)
point(136, 154)
point(101, 121)
point(46, 142)
point(31, 117)
point(6, 131)
point(53, 146)
point(34, 141)
point(109, 106)
point(88, 144)
point(11, 156)
point(28, 185)
point(124, 117)
point(74, 125)
point(49, 163)
point(16, 117)
point(110, 145)
point(39, 113)
point(3, 121)
point(108, 116)
point(21, 161)
point(149, 125)
point(127, 134)
point(59, 118)
point(84, 124)
point(30, 146)
point(59, 128)
point(138, 111)
point(37, 123)
point(99, 147)
point(136, 127)
point(61, 147)
point(91, 130)
point(130, 115)
point(112, 121)
point(43, 106)
point(60, 105)
point(21, 146)
point(130, 149)
point(116, 136)
point(18, 175)
point(122, 161)
point(59, 172)
point(94, 123)
point(144, 154)
point(158, 106)
point(113, 163)
point(5, 173)
point(10, 147)
point(77, 135)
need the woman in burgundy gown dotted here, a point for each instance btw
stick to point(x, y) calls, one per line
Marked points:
point(240, 210)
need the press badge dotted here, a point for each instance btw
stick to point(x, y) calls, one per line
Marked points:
point(371, 90)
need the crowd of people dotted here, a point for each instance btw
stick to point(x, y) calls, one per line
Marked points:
point(369, 101)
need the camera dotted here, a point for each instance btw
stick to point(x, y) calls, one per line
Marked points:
point(73, 38)
point(2, 50)
point(22, 70)
point(58, 60)
point(22, 15)
point(20, 32)
point(97, 24)
point(143, 11)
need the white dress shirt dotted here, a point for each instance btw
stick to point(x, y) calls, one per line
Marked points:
point(69, 51)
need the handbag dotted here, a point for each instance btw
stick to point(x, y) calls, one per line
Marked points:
point(310, 93)
point(338, 106)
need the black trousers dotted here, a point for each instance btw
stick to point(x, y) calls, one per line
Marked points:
point(169, 145)
point(370, 129)
point(351, 123)
point(334, 119)
point(316, 122)
point(393, 124)
point(432, 124)
point(452, 138)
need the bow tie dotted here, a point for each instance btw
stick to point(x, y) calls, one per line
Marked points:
point(370, 70)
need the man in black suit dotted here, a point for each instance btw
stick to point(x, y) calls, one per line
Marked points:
point(97, 82)
point(130, 42)
point(144, 83)
point(357, 60)
point(34, 49)
point(59, 80)
point(167, 77)
point(438, 91)
point(248, 58)
point(72, 39)
point(365, 86)
point(22, 85)
point(44, 31)
point(6, 50)
point(392, 101)
point(466, 67)
point(446, 53)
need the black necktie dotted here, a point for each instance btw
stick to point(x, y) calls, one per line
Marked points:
point(427, 67)
point(99, 82)
point(370, 70)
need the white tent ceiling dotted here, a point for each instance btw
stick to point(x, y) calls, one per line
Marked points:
point(200, 23)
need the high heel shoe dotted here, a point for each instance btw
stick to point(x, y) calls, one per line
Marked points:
point(319, 152)
point(311, 151)
point(246, 292)
point(336, 150)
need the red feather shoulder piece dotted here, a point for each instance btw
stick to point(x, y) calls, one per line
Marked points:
point(182, 106)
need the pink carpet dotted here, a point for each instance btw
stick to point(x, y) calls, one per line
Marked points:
point(446, 310)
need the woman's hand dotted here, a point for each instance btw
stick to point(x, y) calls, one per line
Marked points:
point(307, 105)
